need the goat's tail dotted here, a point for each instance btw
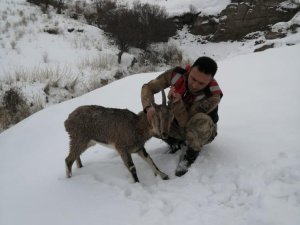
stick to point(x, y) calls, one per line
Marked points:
point(67, 124)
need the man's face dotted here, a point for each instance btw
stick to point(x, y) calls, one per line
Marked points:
point(198, 80)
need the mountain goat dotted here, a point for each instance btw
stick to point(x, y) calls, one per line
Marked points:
point(126, 131)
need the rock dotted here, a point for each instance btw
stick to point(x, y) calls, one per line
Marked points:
point(186, 18)
point(205, 25)
point(259, 42)
point(52, 30)
point(265, 47)
point(294, 27)
point(241, 18)
point(274, 35)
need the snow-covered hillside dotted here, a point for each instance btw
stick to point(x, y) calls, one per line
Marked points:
point(250, 175)
point(50, 68)
point(176, 7)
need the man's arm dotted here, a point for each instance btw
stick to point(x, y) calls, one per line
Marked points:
point(206, 105)
point(154, 86)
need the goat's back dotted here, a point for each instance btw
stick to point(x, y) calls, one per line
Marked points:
point(101, 124)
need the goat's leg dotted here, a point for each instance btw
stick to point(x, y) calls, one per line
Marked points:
point(69, 162)
point(78, 160)
point(126, 157)
point(142, 153)
point(76, 148)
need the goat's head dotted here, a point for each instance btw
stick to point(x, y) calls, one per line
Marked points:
point(163, 117)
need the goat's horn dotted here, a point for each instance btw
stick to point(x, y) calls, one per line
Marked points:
point(164, 102)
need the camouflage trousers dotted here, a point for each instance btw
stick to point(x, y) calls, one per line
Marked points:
point(199, 131)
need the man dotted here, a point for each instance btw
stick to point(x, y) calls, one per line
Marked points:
point(195, 95)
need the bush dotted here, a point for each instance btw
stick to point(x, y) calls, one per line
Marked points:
point(154, 24)
point(44, 4)
point(172, 55)
point(13, 100)
point(139, 26)
point(165, 55)
point(14, 109)
point(104, 9)
point(52, 30)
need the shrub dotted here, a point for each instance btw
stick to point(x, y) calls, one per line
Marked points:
point(14, 109)
point(153, 24)
point(148, 58)
point(13, 99)
point(45, 57)
point(172, 55)
point(44, 4)
point(104, 10)
point(52, 30)
point(139, 26)
point(13, 44)
point(164, 55)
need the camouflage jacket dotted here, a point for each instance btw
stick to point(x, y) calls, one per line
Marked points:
point(205, 101)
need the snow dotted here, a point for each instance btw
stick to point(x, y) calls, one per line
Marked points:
point(177, 7)
point(65, 48)
point(249, 175)
point(26, 31)
point(31, 59)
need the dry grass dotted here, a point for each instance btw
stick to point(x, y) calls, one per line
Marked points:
point(101, 62)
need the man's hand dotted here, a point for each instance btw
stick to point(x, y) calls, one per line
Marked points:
point(150, 114)
point(173, 95)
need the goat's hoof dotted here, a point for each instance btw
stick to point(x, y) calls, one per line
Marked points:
point(68, 175)
point(166, 177)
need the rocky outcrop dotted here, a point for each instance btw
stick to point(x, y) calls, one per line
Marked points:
point(241, 18)
point(264, 47)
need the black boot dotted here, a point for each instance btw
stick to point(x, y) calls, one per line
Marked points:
point(174, 144)
point(188, 159)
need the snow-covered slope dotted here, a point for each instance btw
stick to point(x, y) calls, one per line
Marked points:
point(176, 7)
point(50, 68)
point(250, 175)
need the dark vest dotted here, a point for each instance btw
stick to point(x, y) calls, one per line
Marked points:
point(179, 81)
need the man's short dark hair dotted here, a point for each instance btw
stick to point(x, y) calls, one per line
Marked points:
point(206, 65)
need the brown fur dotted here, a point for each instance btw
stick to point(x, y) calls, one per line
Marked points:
point(123, 129)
